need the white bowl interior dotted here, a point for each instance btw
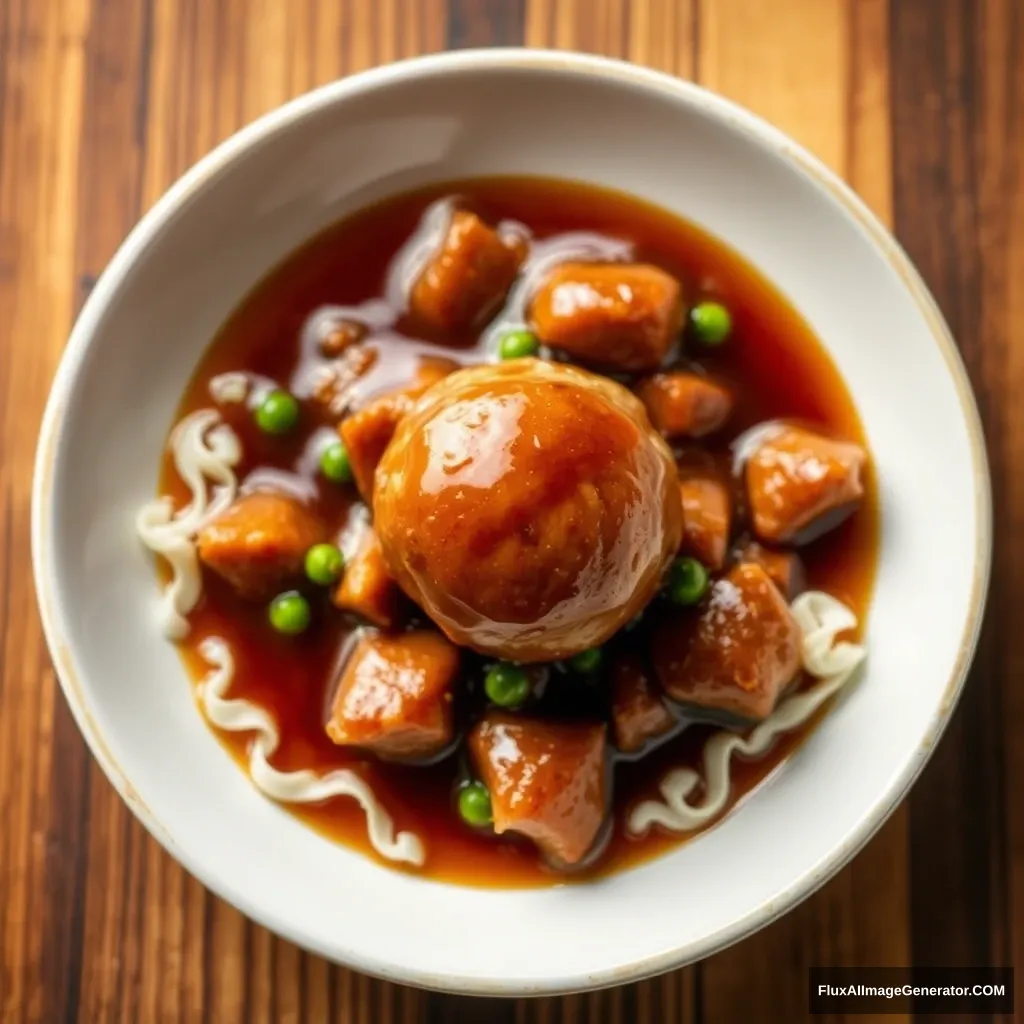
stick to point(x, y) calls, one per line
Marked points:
point(269, 190)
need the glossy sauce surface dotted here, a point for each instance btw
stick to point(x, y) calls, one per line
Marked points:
point(773, 362)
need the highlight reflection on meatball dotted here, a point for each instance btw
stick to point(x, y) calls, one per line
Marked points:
point(529, 508)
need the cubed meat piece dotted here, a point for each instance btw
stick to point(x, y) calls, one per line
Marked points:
point(801, 485)
point(639, 714)
point(685, 404)
point(368, 432)
point(259, 542)
point(547, 781)
point(785, 568)
point(467, 278)
point(395, 695)
point(366, 588)
point(620, 316)
point(335, 381)
point(731, 658)
point(707, 518)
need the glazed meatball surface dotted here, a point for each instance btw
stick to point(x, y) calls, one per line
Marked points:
point(529, 508)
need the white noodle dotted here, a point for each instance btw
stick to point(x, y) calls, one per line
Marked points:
point(205, 451)
point(301, 786)
point(821, 619)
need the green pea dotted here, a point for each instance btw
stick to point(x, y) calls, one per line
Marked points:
point(289, 613)
point(687, 581)
point(507, 685)
point(587, 662)
point(518, 345)
point(335, 463)
point(277, 413)
point(475, 804)
point(711, 322)
point(324, 564)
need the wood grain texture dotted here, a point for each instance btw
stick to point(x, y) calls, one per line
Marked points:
point(958, 115)
point(103, 103)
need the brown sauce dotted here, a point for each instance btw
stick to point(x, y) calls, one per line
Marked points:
point(776, 364)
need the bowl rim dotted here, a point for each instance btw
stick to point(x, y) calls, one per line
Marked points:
point(573, 63)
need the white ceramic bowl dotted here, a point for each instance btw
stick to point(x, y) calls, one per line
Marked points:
point(266, 190)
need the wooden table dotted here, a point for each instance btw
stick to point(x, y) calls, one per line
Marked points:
point(103, 103)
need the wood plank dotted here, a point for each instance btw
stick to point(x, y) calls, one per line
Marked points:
point(818, 69)
point(959, 131)
point(484, 23)
point(1002, 304)
point(42, 69)
point(657, 33)
point(773, 67)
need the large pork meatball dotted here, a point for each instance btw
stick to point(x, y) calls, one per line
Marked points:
point(529, 508)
